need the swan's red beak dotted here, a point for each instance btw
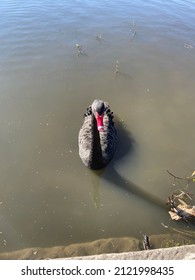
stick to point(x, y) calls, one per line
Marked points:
point(100, 124)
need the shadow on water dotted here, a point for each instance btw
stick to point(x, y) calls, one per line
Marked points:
point(126, 143)
point(116, 179)
point(126, 146)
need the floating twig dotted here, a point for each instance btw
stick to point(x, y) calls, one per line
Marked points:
point(191, 178)
point(98, 37)
point(79, 49)
point(133, 30)
point(116, 67)
point(185, 232)
point(176, 177)
point(188, 46)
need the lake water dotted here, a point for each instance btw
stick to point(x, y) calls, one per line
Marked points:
point(47, 196)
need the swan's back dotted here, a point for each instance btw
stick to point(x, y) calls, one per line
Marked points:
point(97, 148)
point(85, 140)
point(108, 138)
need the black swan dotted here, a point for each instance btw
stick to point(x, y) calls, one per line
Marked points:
point(98, 136)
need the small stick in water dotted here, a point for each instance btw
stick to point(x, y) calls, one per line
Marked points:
point(146, 243)
point(116, 67)
point(133, 30)
point(80, 49)
point(99, 37)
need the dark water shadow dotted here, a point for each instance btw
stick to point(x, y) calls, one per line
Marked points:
point(112, 176)
point(126, 146)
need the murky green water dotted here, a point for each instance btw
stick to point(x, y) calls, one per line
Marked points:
point(47, 196)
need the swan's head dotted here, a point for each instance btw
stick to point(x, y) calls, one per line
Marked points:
point(98, 109)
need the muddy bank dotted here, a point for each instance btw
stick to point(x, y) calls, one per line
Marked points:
point(98, 247)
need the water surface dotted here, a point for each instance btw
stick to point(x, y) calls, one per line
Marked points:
point(47, 196)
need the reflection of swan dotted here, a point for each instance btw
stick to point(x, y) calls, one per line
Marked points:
point(97, 136)
point(95, 182)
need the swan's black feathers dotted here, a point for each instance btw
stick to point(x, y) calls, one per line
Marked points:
point(88, 112)
point(96, 148)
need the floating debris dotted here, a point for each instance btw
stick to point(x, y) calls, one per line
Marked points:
point(164, 225)
point(192, 177)
point(188, 233)
point(133, 30)
point(98, 37)
point(116, 67)
point(182, 211)
point(79, 49)
point(180, 202)
point(188, 46)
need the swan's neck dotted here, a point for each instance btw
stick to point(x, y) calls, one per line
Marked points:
point(96, 150)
